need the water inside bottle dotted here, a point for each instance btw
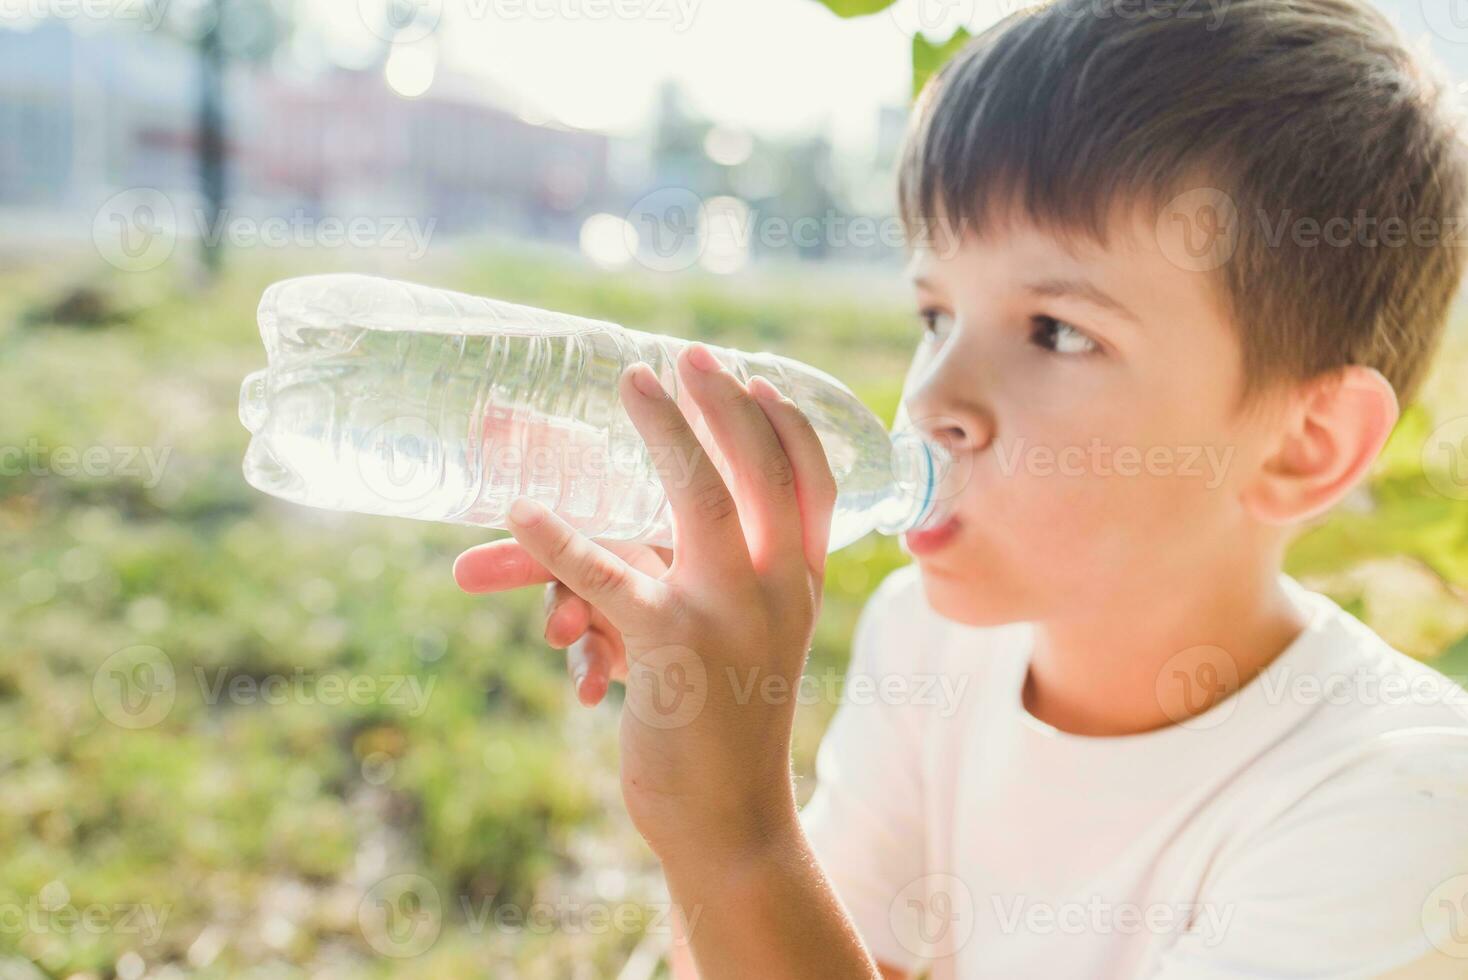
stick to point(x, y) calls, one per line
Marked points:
point(367, 409)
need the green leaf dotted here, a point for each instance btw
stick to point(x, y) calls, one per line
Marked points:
point(928, 57)
point(1454, 660)
point(856, 8)
point(1402, 454)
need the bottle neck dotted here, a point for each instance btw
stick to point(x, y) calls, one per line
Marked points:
point(919, 468)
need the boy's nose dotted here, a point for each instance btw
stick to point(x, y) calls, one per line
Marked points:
point(941, 397)
point(960, 428)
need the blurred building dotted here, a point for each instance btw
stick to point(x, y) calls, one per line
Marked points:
point(891, 128)
point(789, 199)
point(347, 144)
point(82, 113)
point(86, 113)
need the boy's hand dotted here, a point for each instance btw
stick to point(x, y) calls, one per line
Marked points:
point(595, 653)
point(705, 758)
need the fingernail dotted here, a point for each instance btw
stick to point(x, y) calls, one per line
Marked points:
point(763, 388)
point(583, 692)
point(460, 571)
point(526, 512)
point(703, 358)
point(647, 382)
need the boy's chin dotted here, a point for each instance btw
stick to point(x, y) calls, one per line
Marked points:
point(967, 599)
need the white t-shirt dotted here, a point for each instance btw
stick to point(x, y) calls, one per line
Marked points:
point(1314, 824)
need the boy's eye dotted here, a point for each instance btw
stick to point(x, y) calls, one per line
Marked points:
point(935, 322)
point(1061, 337)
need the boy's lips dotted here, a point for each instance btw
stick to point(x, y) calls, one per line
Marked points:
point(930, 540)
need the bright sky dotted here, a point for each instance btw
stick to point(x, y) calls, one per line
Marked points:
point(774, 66)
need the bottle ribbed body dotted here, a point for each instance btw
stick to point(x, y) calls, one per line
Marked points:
point(389, 398)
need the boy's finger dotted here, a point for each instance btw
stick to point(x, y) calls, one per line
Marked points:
point(594, 661)
point(815, 486)
point(706, 522)
point(585, 662)
point(646, 559)
point(624, 595)
point(757, 461)
point(498, 567)
point(567, 615)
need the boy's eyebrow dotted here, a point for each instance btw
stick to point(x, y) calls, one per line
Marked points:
point(1057, 288)
point(1082, 290)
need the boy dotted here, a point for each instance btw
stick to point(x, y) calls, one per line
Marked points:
point(1142, 239)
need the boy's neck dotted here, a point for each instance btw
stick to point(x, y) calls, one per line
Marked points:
point(1100, 676)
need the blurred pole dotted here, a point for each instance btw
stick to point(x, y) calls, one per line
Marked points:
point(211, 135)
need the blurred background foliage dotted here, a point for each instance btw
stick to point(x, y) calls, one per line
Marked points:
point(258, 826)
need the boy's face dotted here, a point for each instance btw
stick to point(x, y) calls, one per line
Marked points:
point(1089, 395)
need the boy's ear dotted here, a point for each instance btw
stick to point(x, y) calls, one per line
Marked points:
point(1330, 439)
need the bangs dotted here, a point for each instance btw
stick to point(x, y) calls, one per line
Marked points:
point(1011, 129)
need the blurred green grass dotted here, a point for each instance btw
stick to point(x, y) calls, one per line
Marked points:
point(257, 827)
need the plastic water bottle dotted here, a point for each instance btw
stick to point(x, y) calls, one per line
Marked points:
point(385, 397)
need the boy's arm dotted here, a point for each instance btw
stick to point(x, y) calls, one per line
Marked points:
point(765, 911)
point(680, 958)
point(861, 821)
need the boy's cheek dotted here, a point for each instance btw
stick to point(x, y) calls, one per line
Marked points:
point(1032, 538)
point(1024, 542)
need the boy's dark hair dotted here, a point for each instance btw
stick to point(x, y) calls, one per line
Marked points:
point(1311, 117)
